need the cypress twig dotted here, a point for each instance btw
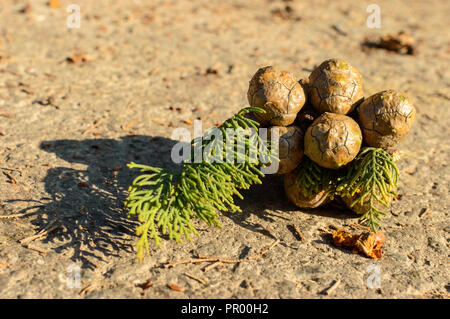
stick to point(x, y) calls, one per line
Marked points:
point(167, 202)
point(372, 179)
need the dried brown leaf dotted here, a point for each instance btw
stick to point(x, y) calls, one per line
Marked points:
point(54, 3)
point(176, 288)
point(367, 243)
point(146, 285)
point(77, 58)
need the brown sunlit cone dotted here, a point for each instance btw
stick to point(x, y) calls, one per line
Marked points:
point(295, 194)
point(335, 86)
point(386, 118)
point(290, 152)
point(278, 93)
point(333, 140)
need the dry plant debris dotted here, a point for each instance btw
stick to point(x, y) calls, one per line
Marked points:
point(26, 9)
point(286, 13)
point(176, 288)
point(6, 114)
point(298, 233)
point(328, 291)
point(96, 124)
point(77, 58)
point(54, 3)
point(12, 216)
point(11, 179)
point(88, 289)
point(200, 280)
point(146, 285)
point(217, 260)
point(126, 127)
point(367, 243)
point(53, 225)
point(401, 43)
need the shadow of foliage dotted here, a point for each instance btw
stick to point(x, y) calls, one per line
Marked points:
point(88, 201)
point(269, 202)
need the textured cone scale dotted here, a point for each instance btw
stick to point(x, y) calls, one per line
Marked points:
point(386, 118)
point(295, 195)
point(335, 86)
point(290, 151)
point(333, 140)
point(278, 93)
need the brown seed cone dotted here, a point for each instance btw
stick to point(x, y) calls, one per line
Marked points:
point(295, 195)
point(386, 118)
point(333, 140)
point(290, 151)
point(335, 86)
point(278, 93)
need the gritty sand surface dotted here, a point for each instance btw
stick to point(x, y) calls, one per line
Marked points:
point(144, 57)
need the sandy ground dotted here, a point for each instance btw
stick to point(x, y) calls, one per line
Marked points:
point(144, 57)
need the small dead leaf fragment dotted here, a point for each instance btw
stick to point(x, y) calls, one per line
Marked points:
point(146, 285)
point(50, 100)
point(54, 3)
point(96, 124)
point(211, 70)
point(77, 58)
point(126, 127)
point(286, 13)
point(155, 71)
point(35, 248)
point(147, 19)
point(87, 289)
point(298, 233)
point(424, 212)
point(339, 30)
point(6, 114)
point(11, 178)
point(367, 243)
point(401, 43)
point(370, 244)
point(200, 280)
point(27, 91)
point(332, 287)
point(176, 288)
point(26, 9)
point(343, 238)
